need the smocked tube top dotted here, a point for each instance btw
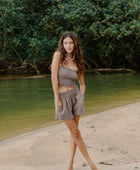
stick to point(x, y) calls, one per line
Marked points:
point(67, 77)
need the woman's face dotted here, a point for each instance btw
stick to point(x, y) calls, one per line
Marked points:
point(68, 45)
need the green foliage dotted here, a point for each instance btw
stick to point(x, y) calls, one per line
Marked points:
point(109, 30)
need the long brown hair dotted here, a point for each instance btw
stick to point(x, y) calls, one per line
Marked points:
point(76, 52)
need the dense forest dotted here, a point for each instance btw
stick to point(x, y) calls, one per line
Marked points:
point(108, 30)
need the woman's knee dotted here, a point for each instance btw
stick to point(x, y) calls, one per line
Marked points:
point(75, 132)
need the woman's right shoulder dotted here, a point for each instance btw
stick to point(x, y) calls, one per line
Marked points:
point(57, 54)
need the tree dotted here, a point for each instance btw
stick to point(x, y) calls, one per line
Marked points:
point(109, 30)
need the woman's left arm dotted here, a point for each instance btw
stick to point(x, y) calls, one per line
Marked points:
point(81, 83)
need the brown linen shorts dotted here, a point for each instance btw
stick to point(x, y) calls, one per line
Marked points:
point(72, 104)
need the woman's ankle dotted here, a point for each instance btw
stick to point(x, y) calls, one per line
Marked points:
point(91, 164)
point(70, 167)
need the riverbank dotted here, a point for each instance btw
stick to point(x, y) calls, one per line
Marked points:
point(12, 69)
point(91, 71)
point(16, 76)
point(112, 138)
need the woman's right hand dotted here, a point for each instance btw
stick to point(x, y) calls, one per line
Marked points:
point(58, 103)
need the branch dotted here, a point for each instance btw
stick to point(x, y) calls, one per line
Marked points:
point(27, 58)
point(92, 61)
point(21, 60)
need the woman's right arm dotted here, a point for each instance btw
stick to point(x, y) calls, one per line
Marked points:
point(54, 73)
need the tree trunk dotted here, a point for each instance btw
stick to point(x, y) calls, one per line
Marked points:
point(92, 61)
point(3, 43)
point(36, 68)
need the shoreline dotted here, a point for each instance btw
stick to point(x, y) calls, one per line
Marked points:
point(112, 137)
point(90, 71)
point(12, 77)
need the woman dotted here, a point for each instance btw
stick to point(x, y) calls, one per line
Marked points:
point(68, 66)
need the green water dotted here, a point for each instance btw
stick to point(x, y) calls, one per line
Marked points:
point(27, 104)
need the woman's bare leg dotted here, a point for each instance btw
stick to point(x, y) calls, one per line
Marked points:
point(75, 133)
point(72, 146)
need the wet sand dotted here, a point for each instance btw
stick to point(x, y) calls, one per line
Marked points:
point(112, 138)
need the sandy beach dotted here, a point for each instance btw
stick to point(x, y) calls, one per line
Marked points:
point(112, 138)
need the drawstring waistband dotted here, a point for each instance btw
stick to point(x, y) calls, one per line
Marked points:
point(71, 91)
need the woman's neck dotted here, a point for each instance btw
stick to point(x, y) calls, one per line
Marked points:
point(69, 55)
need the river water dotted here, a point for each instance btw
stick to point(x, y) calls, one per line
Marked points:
point(27, 104)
